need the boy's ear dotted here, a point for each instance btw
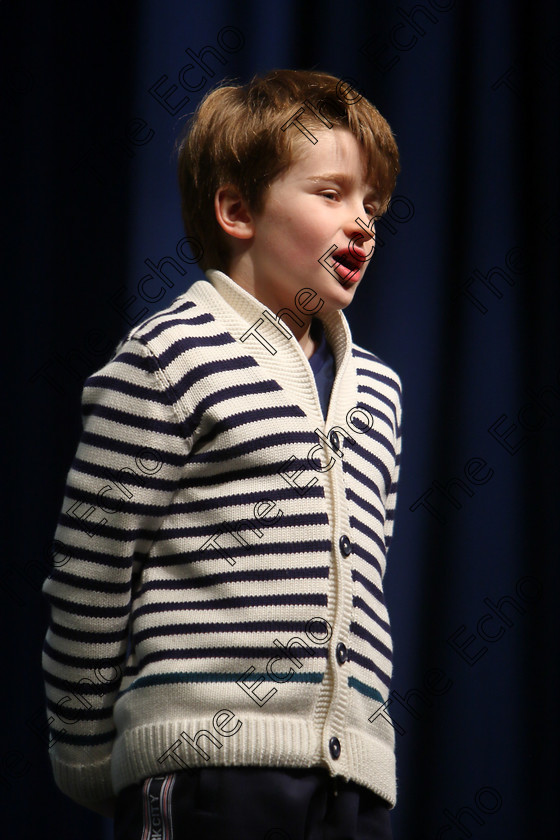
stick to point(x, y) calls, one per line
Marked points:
point(232, 213)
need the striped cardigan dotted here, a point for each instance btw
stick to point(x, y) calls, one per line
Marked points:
point(217, 593)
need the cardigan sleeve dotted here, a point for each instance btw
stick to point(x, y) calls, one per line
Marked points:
point(391, 501)
point(118, 492)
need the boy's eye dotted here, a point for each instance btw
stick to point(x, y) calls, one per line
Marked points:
point(370, 209)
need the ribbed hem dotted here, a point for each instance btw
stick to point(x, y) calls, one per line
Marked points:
point(372, 764)
point(258, 743)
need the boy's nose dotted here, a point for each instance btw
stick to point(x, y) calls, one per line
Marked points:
point(360, 226)
point(361, 238)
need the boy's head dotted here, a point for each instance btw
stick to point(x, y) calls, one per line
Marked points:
point(247, 137)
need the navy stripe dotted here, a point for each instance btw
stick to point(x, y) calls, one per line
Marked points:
point(93, 556)
point(380, 377)
point(76, 689)
point(123, 386)
point(255, 415)
point(241, 550)
point(360, 353)
point(232, 652)
point(360, 604)
point(161, 322)
point(309, 573)
point(66, 737)
point(183, 345)
point(369, 665)
point(245, 498)
point(206, 369)
point(156, 323)
point(89, 584)
point(230, 602)
point(118, 502)
point(134, 421)
point(73, 607)
point(369, 586)
point(370, 559)
point(69, 714)
point(253, 445)
point(249, 527)
point(220, 395)
point(363, 479)
point(89, 636)
point(365, 389)
point(374, 538)
point(99, 528)
point(364, 634)
point(352, 496)
point(193, 627)
point(136, 479)
point(225, 476)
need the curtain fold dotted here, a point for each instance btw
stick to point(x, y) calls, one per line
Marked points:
point(462, 300)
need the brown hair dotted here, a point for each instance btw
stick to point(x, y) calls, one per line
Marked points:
point(245, 135)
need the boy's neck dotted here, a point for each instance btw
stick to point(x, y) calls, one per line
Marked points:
point(307, 342)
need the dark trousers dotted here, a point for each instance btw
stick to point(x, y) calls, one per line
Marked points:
point(250, 803)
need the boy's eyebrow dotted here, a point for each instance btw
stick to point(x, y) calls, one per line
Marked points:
point(341, 177)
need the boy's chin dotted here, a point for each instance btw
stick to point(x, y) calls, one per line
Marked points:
point(339, 301)
point(344, 290)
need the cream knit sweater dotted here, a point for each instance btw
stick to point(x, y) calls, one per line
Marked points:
point(217, 597)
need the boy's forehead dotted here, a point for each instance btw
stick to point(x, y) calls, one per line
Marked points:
point(336, 150)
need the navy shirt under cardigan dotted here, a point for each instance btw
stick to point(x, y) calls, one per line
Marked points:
point(322, 365)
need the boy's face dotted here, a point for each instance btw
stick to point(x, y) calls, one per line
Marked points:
point(311, 207)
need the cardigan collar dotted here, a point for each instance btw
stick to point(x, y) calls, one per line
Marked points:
point(274, 346)
point(250, 309)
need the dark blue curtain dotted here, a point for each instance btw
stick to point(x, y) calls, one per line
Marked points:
point(462, 299)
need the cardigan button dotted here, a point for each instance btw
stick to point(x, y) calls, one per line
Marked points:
point(334, 747)
point(341, 653)
point(335, 440)
point(345, 545)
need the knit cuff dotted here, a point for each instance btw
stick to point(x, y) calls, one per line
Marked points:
point(86, 784)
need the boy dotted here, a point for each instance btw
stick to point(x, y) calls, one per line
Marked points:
point(218, 626)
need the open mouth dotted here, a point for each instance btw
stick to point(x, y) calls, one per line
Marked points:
point(345, 260)
point(348, 267)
